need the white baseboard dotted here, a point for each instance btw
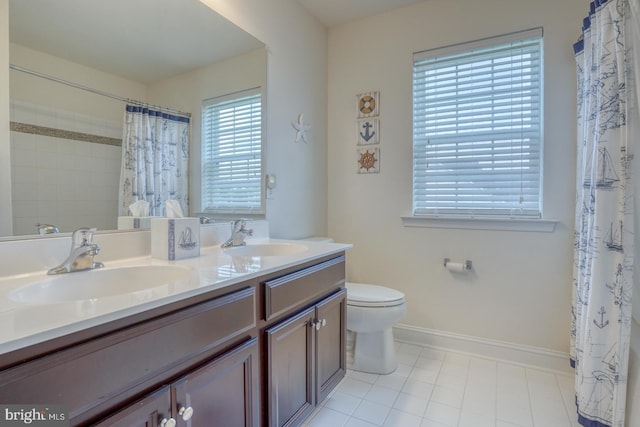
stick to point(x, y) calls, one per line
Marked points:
point(514, 353)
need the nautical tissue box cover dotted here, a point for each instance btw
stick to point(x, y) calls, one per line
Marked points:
point(175, 238)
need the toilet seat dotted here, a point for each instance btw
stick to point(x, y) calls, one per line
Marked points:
point(365, 295)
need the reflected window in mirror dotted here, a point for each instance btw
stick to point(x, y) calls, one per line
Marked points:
point(232, 153)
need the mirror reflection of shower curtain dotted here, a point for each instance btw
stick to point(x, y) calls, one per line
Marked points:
point(155, 160)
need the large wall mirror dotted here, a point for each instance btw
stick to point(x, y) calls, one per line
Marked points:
point(66, 141)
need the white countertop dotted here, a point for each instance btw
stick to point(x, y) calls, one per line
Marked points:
point(24, 324)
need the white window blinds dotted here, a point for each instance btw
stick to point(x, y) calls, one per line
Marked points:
point(477, 123)
point(232, 154)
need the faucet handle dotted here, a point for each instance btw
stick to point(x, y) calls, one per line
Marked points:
point(238, 224)
point(82, 237)
point(242, 227)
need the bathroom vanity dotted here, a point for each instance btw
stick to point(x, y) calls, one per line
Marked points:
point(261, 348)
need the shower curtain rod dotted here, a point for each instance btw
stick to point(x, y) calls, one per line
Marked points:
point(96, 91)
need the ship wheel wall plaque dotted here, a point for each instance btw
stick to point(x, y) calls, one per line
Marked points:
point(368, 160)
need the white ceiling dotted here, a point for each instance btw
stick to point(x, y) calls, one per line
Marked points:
point(334, 12)
point(143, 40)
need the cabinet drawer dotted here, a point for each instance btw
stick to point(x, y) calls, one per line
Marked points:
point(113, 368)
point(303, 286)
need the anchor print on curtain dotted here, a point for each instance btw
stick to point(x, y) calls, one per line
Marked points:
point(155, 160)
point(603, 246)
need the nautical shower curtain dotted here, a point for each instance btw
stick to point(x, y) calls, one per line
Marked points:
point(604, 227)
point(155, 160)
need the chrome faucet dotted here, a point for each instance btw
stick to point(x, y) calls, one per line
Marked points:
point(205, 220)
point(82, 253)
point(238, 233)
point(47, 228)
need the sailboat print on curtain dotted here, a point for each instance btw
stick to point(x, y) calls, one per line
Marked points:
point(606, 177)
point(613, 239)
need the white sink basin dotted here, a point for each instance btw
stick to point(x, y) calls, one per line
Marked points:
point(100, 283)
point(266, 249)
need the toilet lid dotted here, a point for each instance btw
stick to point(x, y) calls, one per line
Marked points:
point(365, 295)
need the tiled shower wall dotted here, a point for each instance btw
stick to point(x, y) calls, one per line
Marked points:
point(65, 169)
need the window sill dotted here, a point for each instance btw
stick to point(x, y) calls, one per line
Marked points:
point(503, 224)
point(218, 216)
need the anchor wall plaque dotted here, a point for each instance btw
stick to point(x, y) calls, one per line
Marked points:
point(368, 131)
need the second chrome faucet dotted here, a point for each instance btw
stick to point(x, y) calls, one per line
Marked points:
point(238, 233)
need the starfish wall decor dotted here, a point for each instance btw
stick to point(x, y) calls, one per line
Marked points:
point(301, 128)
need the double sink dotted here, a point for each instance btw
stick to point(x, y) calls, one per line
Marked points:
point(110, 282)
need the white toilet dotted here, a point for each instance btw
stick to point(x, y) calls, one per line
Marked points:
point(371, 312)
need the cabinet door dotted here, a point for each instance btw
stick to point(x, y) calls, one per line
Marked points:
point(147, 412)
point(331, 350)
point(222, 393)
point(290, 366)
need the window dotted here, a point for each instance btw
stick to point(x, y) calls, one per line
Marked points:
point(232, 154)
point(477, 125)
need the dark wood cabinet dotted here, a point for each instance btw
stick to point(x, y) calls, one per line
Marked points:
point(260, 352)
point(92, 378)
point(305, 360)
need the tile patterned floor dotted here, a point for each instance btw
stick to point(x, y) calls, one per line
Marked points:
point(433, 388)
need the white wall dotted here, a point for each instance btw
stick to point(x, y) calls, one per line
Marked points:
point(5, 149)
point(296, 83)
point(520, 288)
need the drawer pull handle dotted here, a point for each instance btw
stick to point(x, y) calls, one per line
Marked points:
point(168, 422)
point(186, 413)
